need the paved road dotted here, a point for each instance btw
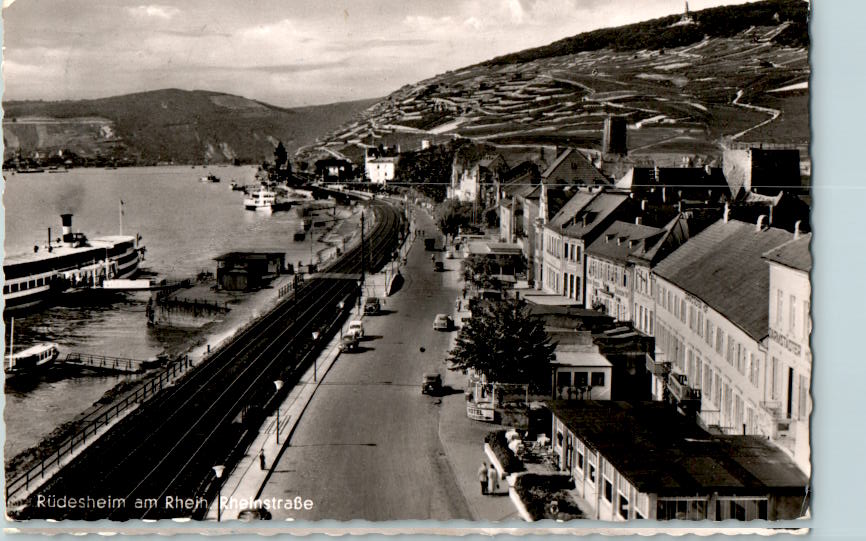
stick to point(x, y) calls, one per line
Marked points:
point(367, 446)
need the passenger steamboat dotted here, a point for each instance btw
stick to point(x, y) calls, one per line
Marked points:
point(72, 263)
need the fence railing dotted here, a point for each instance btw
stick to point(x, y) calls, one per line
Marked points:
point(120, 364)
point(93, 423)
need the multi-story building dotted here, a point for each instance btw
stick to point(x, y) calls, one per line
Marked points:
point(566, 236)
point(380, 164)
point(571, 168)
point(609, 274)
point(471, 180)
point(789, 357)
point(641, 460)
point(712, 322)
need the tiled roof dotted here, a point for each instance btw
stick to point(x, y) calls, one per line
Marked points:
point(723, 267)
point(616, 242)
point(795, 254)
point(662, 452)
point(584, 172)
point(599, 209)
point(657, 247)
point(571, 207)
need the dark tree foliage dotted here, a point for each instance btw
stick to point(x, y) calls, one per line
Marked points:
point(452, 215)
point(502, 341)
point(280, 155)
point(428, 170)
point(724, 21)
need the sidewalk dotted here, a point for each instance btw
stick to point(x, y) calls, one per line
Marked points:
point(246, 481)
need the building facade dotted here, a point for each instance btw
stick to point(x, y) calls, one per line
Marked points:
point(712, 323)
point(789, 363)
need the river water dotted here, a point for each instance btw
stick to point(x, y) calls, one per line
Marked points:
point(184, 224)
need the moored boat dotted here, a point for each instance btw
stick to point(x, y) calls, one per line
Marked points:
point(261, 200)
point(210, 178)
point(72, 263)
point(31, 360)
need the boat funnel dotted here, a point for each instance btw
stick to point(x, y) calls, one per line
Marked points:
point(66, 220)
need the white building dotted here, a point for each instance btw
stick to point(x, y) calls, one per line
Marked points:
point(712, 322)
point(580, 371)
point(380, 166)
point(609, 275)
point(789, 355)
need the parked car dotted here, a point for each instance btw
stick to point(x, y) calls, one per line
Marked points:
point(431, 384)
point(349, 342)
point(438, 266)
point(372, 306)
point(356, 328)
point(442, 323)
point(429, 244)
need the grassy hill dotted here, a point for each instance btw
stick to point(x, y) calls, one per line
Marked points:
point(168, 126)
point(684, 86)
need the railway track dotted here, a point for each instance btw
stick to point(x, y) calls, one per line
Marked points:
point(157, 462)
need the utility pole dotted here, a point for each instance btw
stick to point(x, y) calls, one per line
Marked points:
point(363, 249)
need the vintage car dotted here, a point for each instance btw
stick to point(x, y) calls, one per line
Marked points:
point(431, 384)
point(348, 342)
point(442, 323)
point(356, 328)
point(372, 306)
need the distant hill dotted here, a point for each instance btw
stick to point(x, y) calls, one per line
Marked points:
point(167, 126)
point(719, 22)
point(685, 84)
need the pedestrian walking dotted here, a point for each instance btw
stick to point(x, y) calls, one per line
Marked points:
point(464, 292)
point(262, 459)
point(482, 477)
point(492, 483)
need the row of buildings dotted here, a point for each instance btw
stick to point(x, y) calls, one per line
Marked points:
point(712, 266)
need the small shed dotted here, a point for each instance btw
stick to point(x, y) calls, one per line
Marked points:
point(248, 270)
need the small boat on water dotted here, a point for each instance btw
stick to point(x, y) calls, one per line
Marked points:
point(30, 360)
point(237, 187)
point(210, 178)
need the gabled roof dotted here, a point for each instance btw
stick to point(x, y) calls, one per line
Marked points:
point(794, 254)
point(723, 267)
point(582, 170)
point(662, 452)
point(617, 241)
point(658, 246)
point(571, 207)
point(596, 213)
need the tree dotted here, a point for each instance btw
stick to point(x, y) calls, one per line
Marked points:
point(280, 156)
point(502, 341)
point(452, 215)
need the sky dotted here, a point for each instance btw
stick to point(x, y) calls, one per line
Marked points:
point(284, 52)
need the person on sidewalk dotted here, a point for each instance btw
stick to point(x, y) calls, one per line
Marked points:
point(492, 483)
point(482, 477)
point(262, 459)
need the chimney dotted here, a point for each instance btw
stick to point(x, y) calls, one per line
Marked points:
point(643, 204)
point(796, 230)
point(66, 221)
point(760, 224)
point(727, 212)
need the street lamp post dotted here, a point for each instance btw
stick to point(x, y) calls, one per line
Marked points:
point(340, 306)
point(279, 385)
point(218, 471)
point(315, 359)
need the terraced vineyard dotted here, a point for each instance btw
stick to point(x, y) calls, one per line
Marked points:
point(684, 100)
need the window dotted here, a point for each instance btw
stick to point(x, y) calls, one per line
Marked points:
point(700, 328)
point(651, 323)
point(623, 506)
point(683, 310)
point(670, 309)
point(708, 333)
point(592, 461)
point(774, 375)
point(730, 355)
point(708, 383)
point(14, 288)
point(738, 411)
point(754, 369)
point(580, 379)
point(792, 315)
point(805, 320)
point(598, 379)
point(717, 390)
point(779, 301)
point(580, 455)
point(720, 341)
point(802, 399)
point(608, 490)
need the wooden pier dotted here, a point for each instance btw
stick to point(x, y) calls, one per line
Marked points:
point(102, 362)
